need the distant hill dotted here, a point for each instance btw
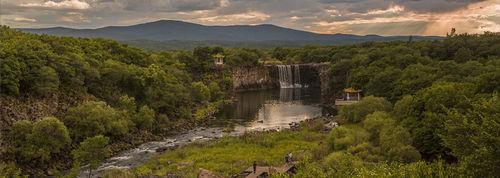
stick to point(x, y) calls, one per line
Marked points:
point(170, 34)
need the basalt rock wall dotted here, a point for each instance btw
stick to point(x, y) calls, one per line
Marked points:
point(252, 78)
point(314, 75)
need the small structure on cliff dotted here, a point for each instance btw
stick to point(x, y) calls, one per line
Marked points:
point(218, 59)
point(350, 96)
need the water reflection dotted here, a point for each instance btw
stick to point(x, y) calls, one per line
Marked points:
point(272, 108)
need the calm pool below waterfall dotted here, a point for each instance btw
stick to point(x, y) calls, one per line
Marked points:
point(270, 109)
point(251, 111)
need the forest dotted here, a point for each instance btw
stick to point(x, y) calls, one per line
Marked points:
point(431, 108)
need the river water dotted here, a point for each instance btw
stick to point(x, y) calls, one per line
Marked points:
point(251, 111)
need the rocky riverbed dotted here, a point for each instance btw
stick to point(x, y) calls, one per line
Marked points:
point(134, 157)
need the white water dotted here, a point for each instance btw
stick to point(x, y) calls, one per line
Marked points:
point(289, 76)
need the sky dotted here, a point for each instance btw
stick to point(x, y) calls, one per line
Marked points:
point(362, 17)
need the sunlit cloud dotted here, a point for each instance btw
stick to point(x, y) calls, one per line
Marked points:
point(23, 19)
point(65, 4)
point(236, 18)
point(391, 10)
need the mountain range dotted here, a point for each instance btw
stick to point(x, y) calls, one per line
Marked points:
point(184, 34)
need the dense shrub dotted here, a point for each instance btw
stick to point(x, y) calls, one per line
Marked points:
point(356, 112)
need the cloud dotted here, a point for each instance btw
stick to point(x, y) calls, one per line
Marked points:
point(393, 9)
point(252, 17)
point(23, 19)
point(65, 4)
point(412, 5)
point(384, 17)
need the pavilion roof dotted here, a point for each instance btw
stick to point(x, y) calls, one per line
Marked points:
point(351, 90)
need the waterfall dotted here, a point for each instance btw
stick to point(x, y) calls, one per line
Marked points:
point(289, 76)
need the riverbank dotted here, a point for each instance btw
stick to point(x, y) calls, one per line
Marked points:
point(227, 156)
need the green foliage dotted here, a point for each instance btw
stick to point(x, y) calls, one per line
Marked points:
point(92, 151)
point(243, 57)
point(341, 163)
point(47, 81)
point(144, 118)
point(463, 55)
point(473, 136)
point(9, 82)
point(10, 170)
point(37, 143)
point(356, 112)
point(375, 122)
point(395, 142)
point(424, 113)
point(95, 118)
point(200, 91)
point(344, 137)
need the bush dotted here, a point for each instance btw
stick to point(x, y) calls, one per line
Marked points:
point(342, 163)
point(93, 118)
point(375, 122)
point(403, 154)
point(200, 91)
point(36, 144)
point(356, 112)
point(366, 151)
point(341, 138)
point(10, 170)
point(144, 118)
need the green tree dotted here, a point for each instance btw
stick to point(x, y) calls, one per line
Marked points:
point(395, 142)
point(413, 78)
point(473, 136)
point(93, 118)
point(200, 92)
point(429, 111)
point(375, 122)
point(356, 112)
point(50, 136)
point(9, 76)
point(47, 81)
point(144, 118)
point(10, 170)
point(92, 151)
point(463, 55)
point(36, 144)
point(341, 138)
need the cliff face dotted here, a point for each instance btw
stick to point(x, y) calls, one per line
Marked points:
point(13, 109)
point(315, 75)
point(252, 78)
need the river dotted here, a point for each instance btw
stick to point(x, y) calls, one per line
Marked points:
point(252, 111)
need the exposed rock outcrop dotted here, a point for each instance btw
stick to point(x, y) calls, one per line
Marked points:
point(252, 78)
point(316, 75)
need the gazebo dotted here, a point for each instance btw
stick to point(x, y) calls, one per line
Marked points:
point(350, 96)
point(218, 59)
